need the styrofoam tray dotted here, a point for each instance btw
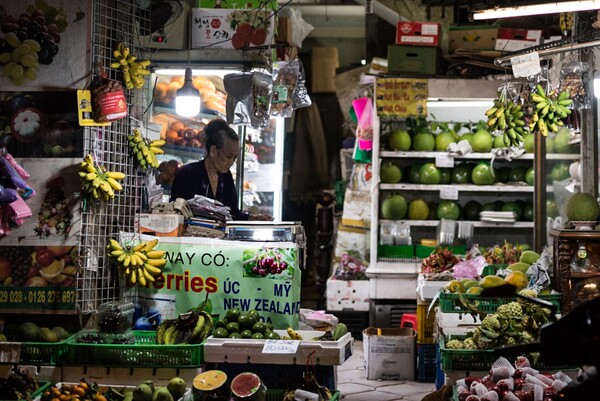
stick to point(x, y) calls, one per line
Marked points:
point(231, 350)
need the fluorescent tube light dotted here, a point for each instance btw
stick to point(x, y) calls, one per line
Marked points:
point(554, 7)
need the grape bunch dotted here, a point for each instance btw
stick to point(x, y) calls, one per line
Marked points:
point(269, 262)
point(20, 260)
point(29, 40)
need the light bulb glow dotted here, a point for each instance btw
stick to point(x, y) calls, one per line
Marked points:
point(187, 106)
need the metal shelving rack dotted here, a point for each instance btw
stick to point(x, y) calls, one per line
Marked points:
point(113, 21)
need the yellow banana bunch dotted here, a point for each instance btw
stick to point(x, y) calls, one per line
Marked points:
point(143, 150)
point(96, 182)
point(550, 110)
point(566, 22)
point(507, 117)
point(132, 69)
point(137, 264)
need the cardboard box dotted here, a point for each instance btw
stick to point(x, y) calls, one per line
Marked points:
point(347, 295)
point(389, 354)
point(513, 39)
point(324, 63)
point(418, 33)
point(161, 224)
point(414, 59)
point(481, 37)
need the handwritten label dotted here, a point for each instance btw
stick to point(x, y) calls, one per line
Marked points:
point(449, 193)
point(526, 65)
point(444, 161)
point(401, 97)
point(280, 347)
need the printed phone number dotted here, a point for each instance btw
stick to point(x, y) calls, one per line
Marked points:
point(37, 297)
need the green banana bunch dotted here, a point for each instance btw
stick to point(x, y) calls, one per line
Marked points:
point(96, 182)
point(507, 117)
point(550, 110)
point(143, 150)
point(138, 264)
point(191, 327)
point(566, 22)
point(132, 69)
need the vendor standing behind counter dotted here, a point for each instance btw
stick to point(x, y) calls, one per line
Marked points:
point(211, 176)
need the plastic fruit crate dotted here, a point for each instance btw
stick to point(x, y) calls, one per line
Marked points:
point(426, 362)
point(482, 359)
point(33, 353)
point(450, 302)
point(144, 352)
point(42, 386)
point(425, 323)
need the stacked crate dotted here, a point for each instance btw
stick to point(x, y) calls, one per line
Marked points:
point(427, 345)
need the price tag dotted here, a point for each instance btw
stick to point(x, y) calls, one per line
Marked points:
point(444, 160)
point(449, 193)
point(526, 65)
point(280, 347)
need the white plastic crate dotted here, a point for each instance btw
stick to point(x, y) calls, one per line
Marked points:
point(234, 350)
point(347, 295)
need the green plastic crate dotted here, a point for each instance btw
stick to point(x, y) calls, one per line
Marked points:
point(396, 251)
point(422, 251)
point(482, 359)
point(450, 302)
point(34, 353)
point(145, 352)
point(277, 395)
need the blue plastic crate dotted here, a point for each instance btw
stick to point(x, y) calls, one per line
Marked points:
point(440, 377)
point(426, 362)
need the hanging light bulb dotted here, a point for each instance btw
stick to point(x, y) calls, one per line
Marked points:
point(187, 101)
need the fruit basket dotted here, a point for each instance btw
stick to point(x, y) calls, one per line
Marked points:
point(144, 352)
point(237, 350)
point(451, 302)
point(33, 353)
point(482, 359)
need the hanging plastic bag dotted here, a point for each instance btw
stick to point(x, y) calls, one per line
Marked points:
point(285, 79)
point(300, 96)
point(364, 131)
point(574, 79)
point(238, 106)
point(262, 85)
point(300, 28)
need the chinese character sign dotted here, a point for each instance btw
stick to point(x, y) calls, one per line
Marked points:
point(222, 28)
point(398, 97)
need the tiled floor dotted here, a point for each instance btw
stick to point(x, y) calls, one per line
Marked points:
point(353, 385)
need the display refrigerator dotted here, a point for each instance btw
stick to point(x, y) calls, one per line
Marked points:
point(259, 181)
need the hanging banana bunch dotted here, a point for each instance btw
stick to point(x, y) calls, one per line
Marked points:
point(139, 264)
point(132, 69)
point(143, 150)
point(507, 117)
point(550, 110)
point(566, 22)
point(96, 182)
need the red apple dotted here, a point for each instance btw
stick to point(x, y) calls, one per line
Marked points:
point(44, 257)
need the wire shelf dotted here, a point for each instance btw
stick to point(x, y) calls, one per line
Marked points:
point(113, 21)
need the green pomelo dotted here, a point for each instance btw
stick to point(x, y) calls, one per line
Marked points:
point(551, 208)
point(471, 210)
point(482, 174)
point(516, 174)
point(448, 210)
point(582, 206)
point(529, 142)
point(530, 176)
point(515, 208)
point(430, 174)
point(400, 140)
point(424, 141)
point(443, 139)
point(445, 175)
point(394, 207)
point(413, 173)
point(461, 174)
point(498, 142)
point(482, 141)
point(418, 209)
point(390, 173)
point(528, 212)
point(560, 171)
point(467, 137)
point(561, 142)
point(550, 148)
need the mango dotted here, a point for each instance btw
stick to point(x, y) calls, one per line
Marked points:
point(475, 290)
point(529, 257)
point(519, 267)
point(454, 286)
point(469, 284)
point(491, 282)
point(340, 331)
point(518, 279)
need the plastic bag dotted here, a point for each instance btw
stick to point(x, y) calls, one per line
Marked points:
point(285, 78)
point(300, 28)
point(300, 96)
point(574, 79)
point(238, 106)
point(364, 131)
point(262, 85)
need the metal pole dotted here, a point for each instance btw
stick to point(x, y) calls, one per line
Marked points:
point(504, 61)
point(539, 193)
